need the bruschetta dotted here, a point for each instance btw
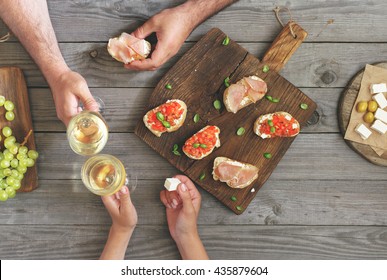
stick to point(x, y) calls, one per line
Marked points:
point(245, 92)
point(167, 117)
point(279, 124)
point(127, 48)
point(235, 174)
point(202, 143)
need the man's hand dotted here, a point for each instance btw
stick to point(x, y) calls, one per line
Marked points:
point(67, 90)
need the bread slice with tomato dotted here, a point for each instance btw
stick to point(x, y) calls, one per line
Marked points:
point(167, 117)
point(202, 143)
point(246, 91)
point(278, 124)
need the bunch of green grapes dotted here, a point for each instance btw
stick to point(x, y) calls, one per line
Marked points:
point(15, 158)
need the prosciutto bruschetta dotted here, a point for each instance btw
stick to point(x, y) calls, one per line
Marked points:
point(167, 117)
point(279, 124)
point(202, 143)
point(235, 174)
point(245, 92)
point(127, 48)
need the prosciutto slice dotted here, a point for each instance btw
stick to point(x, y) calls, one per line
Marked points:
point(246, 91)
point(234, 173)
point(127, 48)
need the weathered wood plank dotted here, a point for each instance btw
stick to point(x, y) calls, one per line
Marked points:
point(153, 242)
point(294, 202)
point(313, 65)
point(124, 108)
point(311, 157)
point(325, 21)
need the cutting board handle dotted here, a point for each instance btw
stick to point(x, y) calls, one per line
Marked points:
point(284, 46)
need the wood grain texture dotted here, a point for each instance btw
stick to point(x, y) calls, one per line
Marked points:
point(124, 108)
point(283, 47)
point(198, 79)
point(347, 102)
point(280, 202)
point(152, 242)
point(324, 20)
point(314, 65)
point(310, 157)
point(13, 87)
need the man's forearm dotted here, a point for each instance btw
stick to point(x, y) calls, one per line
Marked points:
point(29, 21)
point(200, 10)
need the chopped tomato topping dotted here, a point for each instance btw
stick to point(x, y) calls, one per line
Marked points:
point(282, 126)
point(202, 143)
point(171, 112)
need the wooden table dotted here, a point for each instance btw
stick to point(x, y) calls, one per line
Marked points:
point(322, 202)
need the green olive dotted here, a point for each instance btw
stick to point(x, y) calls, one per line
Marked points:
point(372, 106)
point(369, 117)
point(362, 106)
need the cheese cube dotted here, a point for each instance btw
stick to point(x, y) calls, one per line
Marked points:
point(171, 184)
point(380, 99)
point(381, 115)
point(379, 126)
point(363, 131)
point(376, 88)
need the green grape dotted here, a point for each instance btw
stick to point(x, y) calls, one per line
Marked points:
point(5, 163)
point(3, 185)
point(20, 156)
point(20, 176)
point(1, 156)
point(2, 100)
point(13, 149)
point(11, 192)
point(7, 131)
point(7, 172)
point(30, 162)
point(3, 195)
point(16, 185)
point(10, 181)
point(14, 163)
point(8, 105)
point(15, 174)
point(8, 156)
point(23, 163)
point(23, 150)
point(33, 154)
point(21, 169)
point(9, 141)
point(10, 116)
point(2, 174)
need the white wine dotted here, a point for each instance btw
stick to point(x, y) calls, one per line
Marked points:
point(103, 174)
point(87, 133)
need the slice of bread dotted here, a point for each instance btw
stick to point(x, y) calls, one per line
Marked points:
point(241, 87)
point(235, 174)
point(173, 126)
point(263, 120)
point(199, 151)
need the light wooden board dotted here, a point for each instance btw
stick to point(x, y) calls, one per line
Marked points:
point(325, 20)
point(347, 102)
point(153, 242)
point(290, 202)
point(313, 65)
point(13, 87)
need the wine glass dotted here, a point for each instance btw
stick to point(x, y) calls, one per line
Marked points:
point(88, 132)
point(105, 174)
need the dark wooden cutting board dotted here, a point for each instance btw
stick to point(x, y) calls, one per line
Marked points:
point(13, 87)
point(347, 101)
point(198, 79)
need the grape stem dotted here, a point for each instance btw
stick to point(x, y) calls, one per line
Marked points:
point(26, 138)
